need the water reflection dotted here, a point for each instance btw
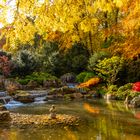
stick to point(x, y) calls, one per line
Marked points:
point(113, 122)
point(90, 109)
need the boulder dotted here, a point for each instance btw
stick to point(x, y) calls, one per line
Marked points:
point(51, 83)
point(4, 116)
point(68, 78)
point(5, 99)
point(1, 82)
point(78, 95)
point(24, 97)
point(88, 96)
point(135, 102)
point(2, 108)
point(94, 94)
point(63, 90)
point(32, 85)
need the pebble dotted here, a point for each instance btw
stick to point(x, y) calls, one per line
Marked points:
point(23, 120)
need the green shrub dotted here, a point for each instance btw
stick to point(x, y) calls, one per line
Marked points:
point(125, 87)
point(59, 62)
point(88, 76)
point(93, 60)
point(25, 63)
point(108, 69)
point(39, 77)
point(112, 89)
point(23, 81)
point(84, 76)
point(125, 91)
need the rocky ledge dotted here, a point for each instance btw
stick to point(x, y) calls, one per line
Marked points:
point(37, 121)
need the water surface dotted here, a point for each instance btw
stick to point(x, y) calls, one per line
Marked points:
point(101, 120)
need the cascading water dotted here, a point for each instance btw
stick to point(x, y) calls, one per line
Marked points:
point(3, 93)
point(40, 100)
point(13, 104)
point(4, 97)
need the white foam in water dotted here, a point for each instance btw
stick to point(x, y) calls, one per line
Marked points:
point(3, 93)
point(13, 104)
point(40, 100)
point(71, 85)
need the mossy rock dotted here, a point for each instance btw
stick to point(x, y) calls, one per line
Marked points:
point(23, 96)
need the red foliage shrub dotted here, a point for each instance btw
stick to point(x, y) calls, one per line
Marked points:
point(5, 65)
point(136, 86)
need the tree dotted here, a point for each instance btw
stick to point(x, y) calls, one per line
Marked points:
point(109, 68)
point(86, 21)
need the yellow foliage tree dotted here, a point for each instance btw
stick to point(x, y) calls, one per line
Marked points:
point(67, 21)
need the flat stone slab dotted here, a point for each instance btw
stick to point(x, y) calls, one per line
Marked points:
point(23, 120)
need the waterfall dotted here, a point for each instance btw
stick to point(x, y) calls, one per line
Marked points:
point(4, 101)
point(4, 97)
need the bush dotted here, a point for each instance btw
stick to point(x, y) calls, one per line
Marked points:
point(130, 72)
point(84, 76)
point(127, 86)
point(25, 63)
point(93, 60)
point(112, 89)
point(6, 65)
point(126, 91)
point(136, 86)
point(108, 69)
point(23, 81)
point(39, 77)
point(88, 76)
point(59, 62)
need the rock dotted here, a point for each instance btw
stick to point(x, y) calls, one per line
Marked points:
point(32, 85)
point(68, 96)
point(63, 90)
point(94, 94)
point(67, 90)
point(1, 82)
point(88, 96)
point(77, 95)
point(68, 78)
point(24, 97)
point(5, 99)
point(4, 116)
point(2, 108)
point(110, 97)
point(135, 102)
point(39, 121)
point(51, 83)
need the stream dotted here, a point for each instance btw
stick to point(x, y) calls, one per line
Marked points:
point(100, 120)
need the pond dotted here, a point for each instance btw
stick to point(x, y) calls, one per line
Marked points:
point(100, 120)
